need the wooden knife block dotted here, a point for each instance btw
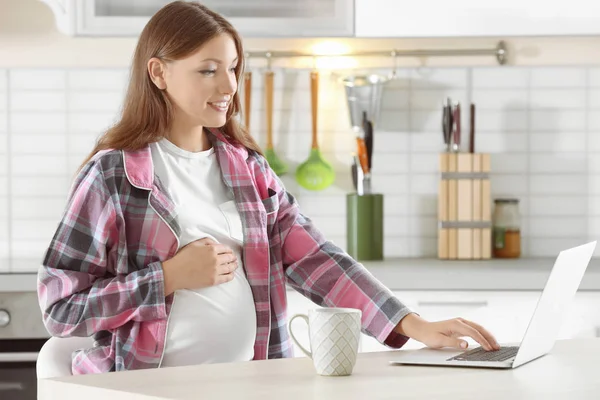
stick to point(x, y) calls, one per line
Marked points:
point(464, 207)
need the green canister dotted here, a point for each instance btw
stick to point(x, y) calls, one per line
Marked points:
point(364, 221)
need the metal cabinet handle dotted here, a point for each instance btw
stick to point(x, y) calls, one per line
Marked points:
point(452, 303)
point(6, 386)
point(598, 331)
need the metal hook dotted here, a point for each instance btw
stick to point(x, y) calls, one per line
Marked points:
point(268, 55)
point(394, 71)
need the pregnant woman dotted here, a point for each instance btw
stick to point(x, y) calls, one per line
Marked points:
point(177, 240)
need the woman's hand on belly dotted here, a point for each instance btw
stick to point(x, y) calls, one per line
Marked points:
point(199, 264)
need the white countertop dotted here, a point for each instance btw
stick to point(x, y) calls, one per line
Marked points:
point(568, 372)
point(423, 274)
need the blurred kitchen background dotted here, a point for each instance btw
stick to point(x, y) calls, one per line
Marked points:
point(538, 116)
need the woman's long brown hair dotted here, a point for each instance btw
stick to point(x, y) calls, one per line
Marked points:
point(174, 32)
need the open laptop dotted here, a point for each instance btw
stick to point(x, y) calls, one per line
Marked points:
point(541, 332)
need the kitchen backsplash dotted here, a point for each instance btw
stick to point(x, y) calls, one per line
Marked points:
point(542, 126)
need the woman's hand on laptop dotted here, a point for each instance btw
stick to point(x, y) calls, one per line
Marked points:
point(445, 333)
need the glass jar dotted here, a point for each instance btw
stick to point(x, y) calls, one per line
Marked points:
point(506, 229)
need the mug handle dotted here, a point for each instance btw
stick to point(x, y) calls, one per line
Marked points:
point(305, 318)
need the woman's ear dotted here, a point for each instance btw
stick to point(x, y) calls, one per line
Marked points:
point(157, 71)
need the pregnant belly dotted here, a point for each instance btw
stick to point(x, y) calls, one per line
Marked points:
point(212, 325)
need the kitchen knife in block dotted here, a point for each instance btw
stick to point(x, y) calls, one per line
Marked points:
point(477, 216)
point(464, 206)
point(486, 204)
point(443, 209)
point(452, 207)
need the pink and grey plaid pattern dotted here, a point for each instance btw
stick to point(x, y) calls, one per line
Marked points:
point(102, 276)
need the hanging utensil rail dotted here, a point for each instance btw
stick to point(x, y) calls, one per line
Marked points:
point(500, 52)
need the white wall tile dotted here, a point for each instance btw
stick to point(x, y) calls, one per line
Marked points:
point(26, 250)
point(552, 246)
point(594, 163)
point(324, 205)
point(426, 121)
point(390, 142)
point(3, 206)
point(424, 184)
point(37, 208)
point(438, 78)
point(594, 120)
point(32, 123)
point(388, 163)
point(390, 184)
point(395, 226)
point(98, 79)
point(396, 121)
point(4, 164)
point(423, 226)
point(594, 98)
point(3, 186)
point(593, 182)
point(558, 163)
point(3, 143)
point(593, 225)
point(37, 100)
point(431, 99)
point(558, 98)
point(594, 77)
point(37, 229)
point(396, 246)
point(330, 226)
point(37, 79)
point(38, 165)
point(557, 120)
point(558, 77)
point(497, 142)
point(593, 207)
point(47, 187)
point(38, 144)
point(501, 121)
point(90, 123)
point(3, 122)
point(3, 101)
point(509, 163)
point(81, 144)
point(500, 77)
point(3, 80)
point(423, 204)
point(423, 247)
point(424, 163)
point(501, 99)
point(427, 142)
point(95, 101)
point(544, 206)
point(558, 142)
point(395, 204)
point(558, 184)
point(509, 185)
point(394, 99)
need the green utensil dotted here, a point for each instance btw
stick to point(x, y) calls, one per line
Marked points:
point(278, 166)
point(315, 173)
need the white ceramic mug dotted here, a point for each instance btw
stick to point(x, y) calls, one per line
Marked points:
point(334, 337)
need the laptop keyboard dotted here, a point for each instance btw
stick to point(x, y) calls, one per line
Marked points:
point(479, 354)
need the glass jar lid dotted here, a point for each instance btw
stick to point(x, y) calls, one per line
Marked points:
point(506, 201)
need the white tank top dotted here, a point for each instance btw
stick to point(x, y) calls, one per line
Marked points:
point(215, 324)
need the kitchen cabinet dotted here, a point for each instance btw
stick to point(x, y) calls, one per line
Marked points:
point(252, 18)
point(505, 314)
point(460, 18)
